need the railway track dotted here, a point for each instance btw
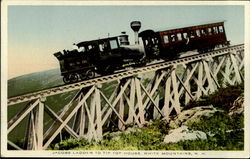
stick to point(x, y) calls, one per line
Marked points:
point(120, 75)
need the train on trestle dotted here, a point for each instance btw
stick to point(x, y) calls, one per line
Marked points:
point(104, 56)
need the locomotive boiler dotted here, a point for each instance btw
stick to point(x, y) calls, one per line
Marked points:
point(102, 56)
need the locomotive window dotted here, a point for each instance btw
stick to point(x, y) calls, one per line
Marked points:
point(198, 33)
point(101, 47)
point(81, 49)
point(153, 40)
point(113, 44)
point(179, 36)
point(221, 29)
point(71, 64)
point(165, 39)
point(215, 30)
point(90, 47)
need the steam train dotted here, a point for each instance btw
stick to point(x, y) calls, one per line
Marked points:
point(104, 56)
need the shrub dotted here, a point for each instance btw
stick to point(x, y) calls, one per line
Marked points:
point(224, 97)
point(69, 144)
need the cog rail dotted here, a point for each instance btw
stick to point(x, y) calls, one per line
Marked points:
point(120, 75)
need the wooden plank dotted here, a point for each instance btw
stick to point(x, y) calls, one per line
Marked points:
point(226, 78)
point(236, 69)
point(200, 87)
point(69, 116)
point(123, 88)
point(155, 87)
point(200, 81)
point(14, 145)
point(176, 93)
point(131, 101)
point(32, 136)
point(20, 116)
point(189, 77)
point(165, 108)
point(215, 79)
point(76, 117)
point(112, 108)
point(98, 114)
point(52, 114)
point(151, 99)
point(132, 111)
point(121, 113)
point(111, 98)
point(91, 115)
point(82, 122)
point(64, 113)
point(157, 114)
point(187, 89)
point(208, 76)
point(139, 100)
point(188, 94)
point(91, 128)
point(39, 124)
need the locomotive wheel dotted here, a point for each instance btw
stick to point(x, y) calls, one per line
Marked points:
point(73, 77)
point(109, 69)
point(83, 76)
point(66, 79)
point(90, 74)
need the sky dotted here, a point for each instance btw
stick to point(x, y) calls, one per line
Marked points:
point(36, 32)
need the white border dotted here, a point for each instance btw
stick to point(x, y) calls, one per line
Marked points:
point(161, 154)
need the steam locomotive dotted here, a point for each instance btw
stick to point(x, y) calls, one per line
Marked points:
point(104, 56)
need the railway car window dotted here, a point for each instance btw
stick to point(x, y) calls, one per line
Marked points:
point(209, 31)
point(172, 38)
point(203, 32)
point(165, 39)
point(221, 29)
point(179, 36)
point(198, 33)
point(215, 30)
point(185, 35)
point(113, 44)
point(192, 34)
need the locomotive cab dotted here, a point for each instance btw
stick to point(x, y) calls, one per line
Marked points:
point(107, 54)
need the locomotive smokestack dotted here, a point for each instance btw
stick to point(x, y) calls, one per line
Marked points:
point(136, 25)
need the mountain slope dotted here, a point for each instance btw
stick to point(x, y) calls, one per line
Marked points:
point(34, 82)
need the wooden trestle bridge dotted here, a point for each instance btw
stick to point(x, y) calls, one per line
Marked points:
point(134, 100)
